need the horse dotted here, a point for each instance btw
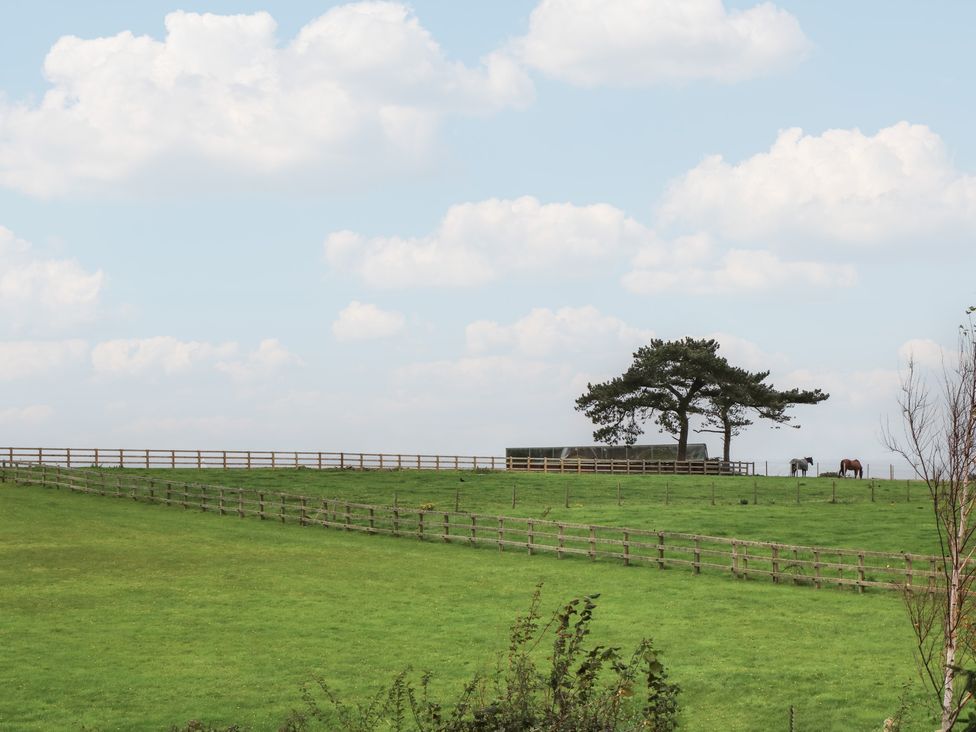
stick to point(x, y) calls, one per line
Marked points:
point(855, 465)
point(801, 464)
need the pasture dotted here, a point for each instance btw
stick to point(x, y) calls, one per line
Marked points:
point(122, 615)
point(829, 512)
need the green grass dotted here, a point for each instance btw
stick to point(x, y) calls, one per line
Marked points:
point(668, 503)
point(123, 615)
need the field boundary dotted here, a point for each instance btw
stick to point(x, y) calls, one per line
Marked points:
point(816, 566)
point(73, 457)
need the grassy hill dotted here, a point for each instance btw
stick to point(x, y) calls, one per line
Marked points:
point(122, 615)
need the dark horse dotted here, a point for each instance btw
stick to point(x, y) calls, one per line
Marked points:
point(854, 465)
point(800, 464)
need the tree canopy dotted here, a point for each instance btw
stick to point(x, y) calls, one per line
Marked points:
point(671, 382)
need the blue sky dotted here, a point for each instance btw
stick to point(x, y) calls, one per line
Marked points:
point(425, 227)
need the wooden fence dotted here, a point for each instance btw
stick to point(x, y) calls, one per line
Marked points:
point(71, 457)
point(815, 566)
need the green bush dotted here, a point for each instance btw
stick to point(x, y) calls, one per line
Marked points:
point(583, 689)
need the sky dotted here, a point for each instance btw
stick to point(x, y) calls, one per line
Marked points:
point(426, 227)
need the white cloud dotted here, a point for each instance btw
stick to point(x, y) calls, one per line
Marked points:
point(844, 185)
point(564, 332)
point(926, 353)
point(636, 43)
point(161, 354)
point(269, 358)
point(747, 354)
point(363, 82)
point(480, 242)
point(41, 290)
point(856, 388)
point(21, 416)
point(736, 270)
point(20, 359)
point(363, 321)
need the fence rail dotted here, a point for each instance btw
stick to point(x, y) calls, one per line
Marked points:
point(71, 457)
point(815, 566)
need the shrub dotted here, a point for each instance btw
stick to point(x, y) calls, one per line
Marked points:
point(583, 689)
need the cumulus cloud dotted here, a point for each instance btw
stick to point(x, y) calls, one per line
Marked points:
point(21, 359)
point(926, 353)
point(38, 290)
point(548, 333)
point(363, 321)
point(480, 242)
point(637, 43)
point(364, 84)
point(269, 358)
point(21, 416)
point(748, 354)
point(843, 184)
point(161, 354)
point(734, 271)
point(855, 388)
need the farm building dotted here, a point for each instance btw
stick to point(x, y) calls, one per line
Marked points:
point(696, 451)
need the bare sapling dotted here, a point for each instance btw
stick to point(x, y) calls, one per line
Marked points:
point(938, 440)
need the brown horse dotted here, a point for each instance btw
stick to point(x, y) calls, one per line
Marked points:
point(854, 465)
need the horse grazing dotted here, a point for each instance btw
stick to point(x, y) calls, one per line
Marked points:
point(800, 464)
point(854, 465)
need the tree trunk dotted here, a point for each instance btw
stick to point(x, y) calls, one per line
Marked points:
point(682, 437)
point(951, 642)
point(727, 443)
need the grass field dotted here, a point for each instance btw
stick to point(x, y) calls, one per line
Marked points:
point(121, 615)
point(899, 518)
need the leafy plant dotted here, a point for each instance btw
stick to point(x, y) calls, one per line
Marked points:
point(583, 689)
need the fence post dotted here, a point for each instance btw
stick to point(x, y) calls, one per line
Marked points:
point(473, 538)
point(559, 549)
point(860, 572)
point(501, 534)
point(697, 564)
point(281, 510)
point(203, 498)
point(626, 549)
point(816, 567)
point(220, 502)
point(530, 536)
point(775, 552)
point(592, 544)
point(261, 505)
point(302, 516)
point(447, 528)
point(735, 560)
point(240, 503)
point(660, 550)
